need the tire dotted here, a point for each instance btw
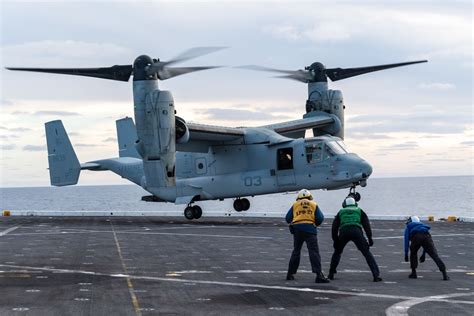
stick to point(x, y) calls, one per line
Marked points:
point(245, 204)
point(238, 205)
point(188, 213)
point(357, 196)
point(197, 211)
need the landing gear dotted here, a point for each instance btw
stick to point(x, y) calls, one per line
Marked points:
point(193, 212)
point(354, 194)
point(241, 204)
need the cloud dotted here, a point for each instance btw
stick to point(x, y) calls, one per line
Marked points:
point(34, 148)
point(15, 129)
point(85, 145)
point(110, 139)
point(430, 123)
point(5, 102)
point(437, 86)
point(402, 146)
point(468, 143)
point(48, 51)
point(360, 135)
point(7, 146)
point(55, 113)
point(240, 115)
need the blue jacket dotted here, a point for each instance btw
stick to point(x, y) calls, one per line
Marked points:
point(411, 229)
point(309, 228)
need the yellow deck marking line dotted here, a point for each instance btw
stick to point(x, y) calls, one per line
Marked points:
point(131, 290)
point(3, 233)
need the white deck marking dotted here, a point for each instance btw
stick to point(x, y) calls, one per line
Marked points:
point(144, 233)
point(246, 285)
point(6, 231)
point(443, 235)
point(401, 308)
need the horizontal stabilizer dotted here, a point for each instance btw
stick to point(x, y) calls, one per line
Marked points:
point(64, 167)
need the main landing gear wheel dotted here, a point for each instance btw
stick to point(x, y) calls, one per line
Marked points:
point(193, 212)
point(241, 204)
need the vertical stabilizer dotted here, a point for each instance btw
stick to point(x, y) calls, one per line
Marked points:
point(64, 167)
point(127, 137)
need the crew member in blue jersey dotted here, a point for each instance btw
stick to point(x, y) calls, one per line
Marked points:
point(347, 226)
point(417, 235)
point(303, 218)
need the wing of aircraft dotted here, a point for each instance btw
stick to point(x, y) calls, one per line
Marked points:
point(297, 128)
point(202, 136)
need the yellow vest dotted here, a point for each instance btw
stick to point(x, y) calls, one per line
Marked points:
point(303, 212)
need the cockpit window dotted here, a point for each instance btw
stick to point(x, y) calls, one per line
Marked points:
point(336, 148)
point(341, 143)
point(314, 152)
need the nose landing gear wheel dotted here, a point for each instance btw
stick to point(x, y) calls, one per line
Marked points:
point(354, 194)
point(193, 212)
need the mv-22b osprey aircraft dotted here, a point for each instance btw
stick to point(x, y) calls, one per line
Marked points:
point(181, 162)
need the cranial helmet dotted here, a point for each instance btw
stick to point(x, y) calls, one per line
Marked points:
point(413, 219)
point(304, 194)
point(349, 201)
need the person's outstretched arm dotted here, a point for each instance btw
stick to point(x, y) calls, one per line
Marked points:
point(319, 216)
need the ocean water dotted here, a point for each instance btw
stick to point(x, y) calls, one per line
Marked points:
point(423, 196)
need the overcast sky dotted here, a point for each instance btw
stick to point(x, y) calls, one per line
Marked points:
point(408, 121)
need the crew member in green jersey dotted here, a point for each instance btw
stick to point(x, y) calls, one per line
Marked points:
point(347, 226)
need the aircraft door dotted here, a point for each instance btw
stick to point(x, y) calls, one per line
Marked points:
point(285, 169)
point(200, 165)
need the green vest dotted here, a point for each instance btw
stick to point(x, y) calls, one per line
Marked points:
point(350, 216)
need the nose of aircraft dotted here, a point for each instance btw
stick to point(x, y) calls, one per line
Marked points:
point(365, 168)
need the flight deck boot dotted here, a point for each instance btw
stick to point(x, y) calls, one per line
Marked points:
point(331, 274)
point(413, 274)
point(445, 275)
point(320, 278)
point(290, 276)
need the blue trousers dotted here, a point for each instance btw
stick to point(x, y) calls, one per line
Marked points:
point(299, 237)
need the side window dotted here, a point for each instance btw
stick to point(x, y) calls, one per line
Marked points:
point(314, 152)
point(285, 158)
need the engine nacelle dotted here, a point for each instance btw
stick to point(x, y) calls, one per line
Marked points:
point(156, 128)
point(182, 131)
point(328, 101)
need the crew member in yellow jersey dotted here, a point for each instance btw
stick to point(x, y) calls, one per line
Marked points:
point(303, 218)
point(347, 226)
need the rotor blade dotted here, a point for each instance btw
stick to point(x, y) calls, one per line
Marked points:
point(298, 75)
point(261, 68)
point(342, 73)
point(117, 72)
point(193, 53)
point(170, 72)
point(305, 78)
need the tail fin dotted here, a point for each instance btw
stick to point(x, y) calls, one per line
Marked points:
point(127, 136)
point(64, 167)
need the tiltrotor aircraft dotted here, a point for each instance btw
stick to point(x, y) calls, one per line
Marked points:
point(183, 162)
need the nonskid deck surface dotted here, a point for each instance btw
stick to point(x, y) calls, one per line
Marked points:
point(217, 266)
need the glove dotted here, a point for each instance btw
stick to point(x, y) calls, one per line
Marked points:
point(371, 242)
point(406, 258)
point(422, 258)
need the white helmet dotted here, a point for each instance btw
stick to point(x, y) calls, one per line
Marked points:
point(350, 201)
point(413, 219)
point(304, 194)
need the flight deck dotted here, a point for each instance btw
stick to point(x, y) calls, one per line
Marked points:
point(218, 266)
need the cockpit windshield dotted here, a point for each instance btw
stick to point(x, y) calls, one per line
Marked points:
point(336, 148)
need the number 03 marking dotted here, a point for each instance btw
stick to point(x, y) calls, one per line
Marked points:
point(253, 181)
